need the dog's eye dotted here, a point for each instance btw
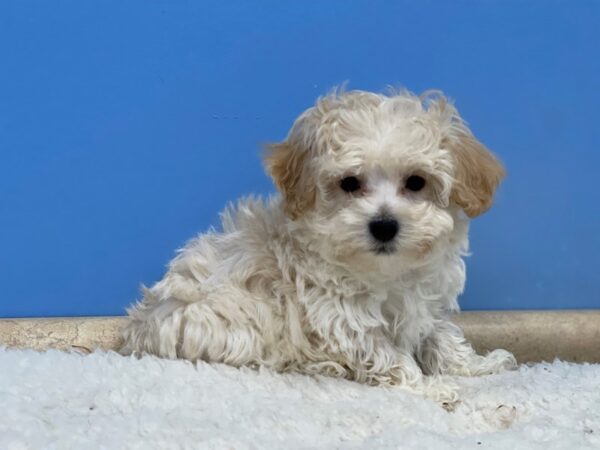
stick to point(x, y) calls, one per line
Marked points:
point(350, 184)
point(415, 183)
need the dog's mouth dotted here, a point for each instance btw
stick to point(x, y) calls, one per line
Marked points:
point(384, 249)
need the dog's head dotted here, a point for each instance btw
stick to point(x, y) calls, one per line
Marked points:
point(379, 180)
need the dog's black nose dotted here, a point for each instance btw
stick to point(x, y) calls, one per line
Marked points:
point(384, 230)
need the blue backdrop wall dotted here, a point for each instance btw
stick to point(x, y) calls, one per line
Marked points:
point(126, 126)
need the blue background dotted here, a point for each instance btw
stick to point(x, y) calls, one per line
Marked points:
point(126, 126)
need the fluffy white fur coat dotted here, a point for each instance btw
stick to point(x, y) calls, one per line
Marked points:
point(304, 282)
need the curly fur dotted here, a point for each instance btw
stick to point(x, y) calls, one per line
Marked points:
point(297, 283)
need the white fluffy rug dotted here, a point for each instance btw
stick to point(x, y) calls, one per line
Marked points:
point(57, 400)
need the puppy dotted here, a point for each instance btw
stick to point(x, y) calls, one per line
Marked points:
point(353, 270)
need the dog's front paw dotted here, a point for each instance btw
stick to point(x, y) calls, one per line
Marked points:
point(495, 361)
point(509, 362)
point(443, 393)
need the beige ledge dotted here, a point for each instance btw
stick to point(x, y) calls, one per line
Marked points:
point(530, 335)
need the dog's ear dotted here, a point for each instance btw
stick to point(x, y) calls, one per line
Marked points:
point(477, 173)
point(286, 162)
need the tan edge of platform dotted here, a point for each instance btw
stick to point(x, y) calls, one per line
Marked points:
point(530, 335)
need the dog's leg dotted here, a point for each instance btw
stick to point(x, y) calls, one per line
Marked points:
point(406, 374)
point(447, 352)
point(386, 365)
point(173, 329)
point(154, 328)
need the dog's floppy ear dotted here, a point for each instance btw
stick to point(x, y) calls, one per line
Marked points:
point(477, 172)
point(286, 162)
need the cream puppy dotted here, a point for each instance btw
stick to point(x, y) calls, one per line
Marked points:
point(351, 272)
